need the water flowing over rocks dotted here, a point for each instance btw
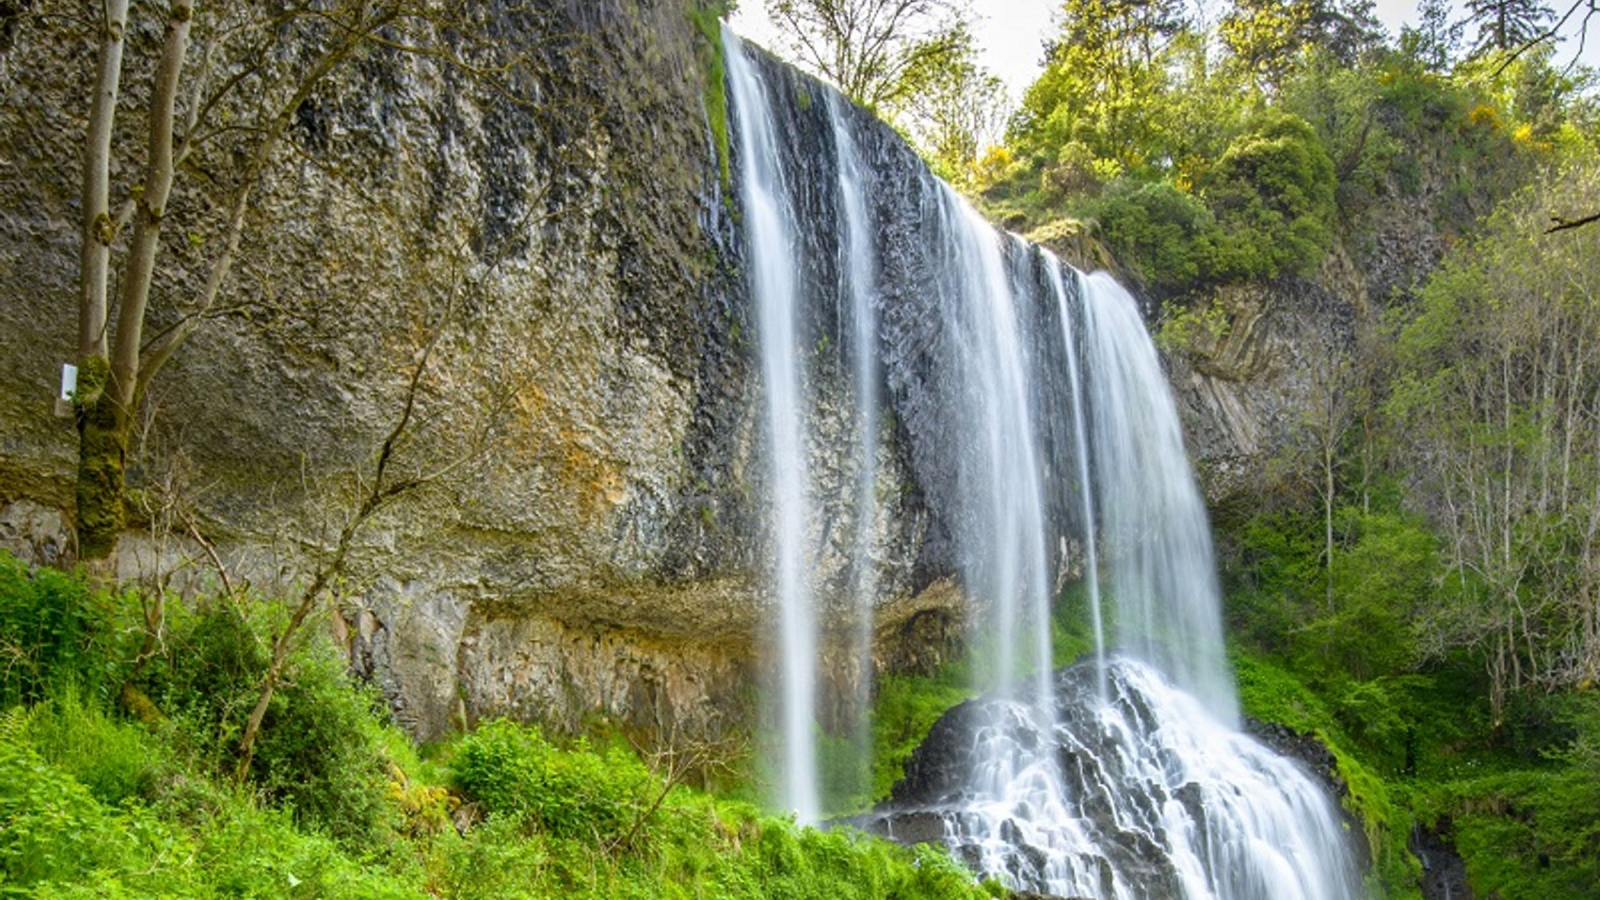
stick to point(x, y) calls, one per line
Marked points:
point(596, 544)
point(1147, 796)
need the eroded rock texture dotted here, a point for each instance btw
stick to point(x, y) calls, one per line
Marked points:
point(545, 223)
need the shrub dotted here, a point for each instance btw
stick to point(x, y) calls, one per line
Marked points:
point(319, 750)
point(53, 631)
point(512, 770)
point(1272, 194)
point(1156, 230)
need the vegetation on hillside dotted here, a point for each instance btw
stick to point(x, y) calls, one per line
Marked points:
point(1239, 153)
point(118, 779)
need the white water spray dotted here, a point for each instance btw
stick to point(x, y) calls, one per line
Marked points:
point(1007, 562)
point(1164, 577)
point(774, 280)
point(1080, 441)
point(858, 282)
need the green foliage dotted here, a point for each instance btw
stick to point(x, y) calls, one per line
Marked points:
point(513, 771)
point(1530, 833)
point(51, 827)
point(318, 751)
point(1272, 193)
point(1157, 231)
point(1385, 564)
point(1264, 37)
point(92, 806)
point(845, 771)
point(905, 709)
point(1265, 207)
point(1270, 693)
point(1204, 169)
point(1492, 371)
point(1102, 85)
point(54, 633)
point(115, 760)
point(1412, 733)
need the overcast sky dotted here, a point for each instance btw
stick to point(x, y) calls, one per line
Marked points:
point(1011, 32)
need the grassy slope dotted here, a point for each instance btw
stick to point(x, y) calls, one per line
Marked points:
point(95, 803)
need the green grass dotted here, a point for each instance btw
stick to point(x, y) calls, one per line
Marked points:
point(96, 804)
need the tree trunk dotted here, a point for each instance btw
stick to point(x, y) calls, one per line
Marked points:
point(108, 386)
point(1327, 519)
point(100, 455)
point(280, 656)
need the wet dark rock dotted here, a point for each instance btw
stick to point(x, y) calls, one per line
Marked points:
point(1444, 872)
point(1126, 770)
point(602, 554)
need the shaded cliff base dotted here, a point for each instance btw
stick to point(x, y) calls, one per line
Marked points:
point(666, 663)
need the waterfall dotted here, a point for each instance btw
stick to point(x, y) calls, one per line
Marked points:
point(1080, 447)
point(1017, 400)
point(858, 281)
point(999, 466)
point(1169, 608)
point(774, 280)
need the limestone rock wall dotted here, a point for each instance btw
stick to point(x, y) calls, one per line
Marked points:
point(545, 224)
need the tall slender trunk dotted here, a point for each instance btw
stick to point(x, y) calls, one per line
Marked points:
point(142, 251)
point(97, 228)
point(106, 404)
point(1327, 518)
point(100, 454)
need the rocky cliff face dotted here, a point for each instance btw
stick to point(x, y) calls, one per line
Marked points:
point(1250, 387)
point(541, 217)
point(556, 244)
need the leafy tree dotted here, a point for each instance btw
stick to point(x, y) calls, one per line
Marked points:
point(1266, 37)
point(1102, 81)
point(957, 112)
point(1435, 41)
point(1506, 25)
point(1347, 29)
point(879, 52)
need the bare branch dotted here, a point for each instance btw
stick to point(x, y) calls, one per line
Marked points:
point(1561, 224)
point(1546, 35)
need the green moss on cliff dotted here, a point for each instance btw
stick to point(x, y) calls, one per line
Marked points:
point(707, 18)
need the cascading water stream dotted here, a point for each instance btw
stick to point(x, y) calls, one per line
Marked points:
point(774, 279)
point(1080, 446)
point(1122, 778)
point(1006, 547)
point(1158, 538)
point(858, 277)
